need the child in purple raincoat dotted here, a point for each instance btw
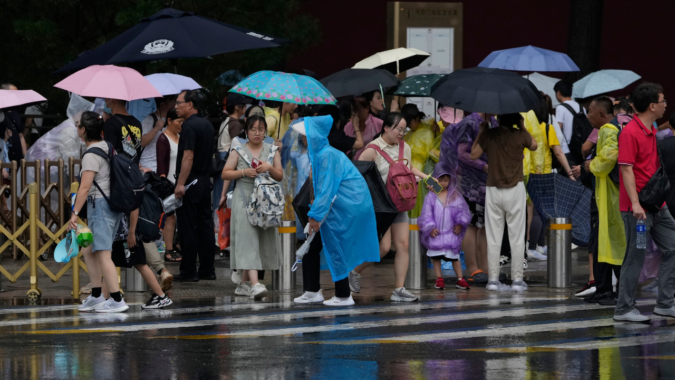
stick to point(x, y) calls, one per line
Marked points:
point(442, 223)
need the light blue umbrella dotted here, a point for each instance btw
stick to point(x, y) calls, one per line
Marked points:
point(529, 58)
point(603, 81)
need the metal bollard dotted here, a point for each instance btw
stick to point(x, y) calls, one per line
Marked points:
point(559, 242)
point(284, 278)
point(134, 282)
point(416, 278)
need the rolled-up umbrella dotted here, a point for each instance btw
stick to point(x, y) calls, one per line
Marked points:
point(385, 211)
point(603, 81)
point(358, 81)
point(395, 61)
point(529, 58)
point(492, 91)
point(556, 196)
point(172, 84)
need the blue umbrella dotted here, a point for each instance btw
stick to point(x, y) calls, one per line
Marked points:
point(173, 34)
point(556, 196)
point(603, 81)
point(529, 58)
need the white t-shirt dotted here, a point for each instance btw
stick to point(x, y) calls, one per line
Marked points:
point(567, 119)
point(99, 165)
point(558, 133)
point(149, 155)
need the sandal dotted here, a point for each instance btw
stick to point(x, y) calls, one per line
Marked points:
point(172, 256)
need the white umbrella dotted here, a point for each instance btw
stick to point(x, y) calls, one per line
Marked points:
point(603, 81)
point(172, 84)
point(544, 83)
point(395, 61)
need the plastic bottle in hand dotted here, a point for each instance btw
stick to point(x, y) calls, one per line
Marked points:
point(641, 240)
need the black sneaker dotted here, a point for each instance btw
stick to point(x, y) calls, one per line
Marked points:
point(157, 302)
point(609, 299)
point(596, 297)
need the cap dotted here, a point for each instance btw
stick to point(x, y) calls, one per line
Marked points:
point(451, 115)
point(233, 99)
point(299, 126)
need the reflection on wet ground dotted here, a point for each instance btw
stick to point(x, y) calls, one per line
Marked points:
point(538, 334)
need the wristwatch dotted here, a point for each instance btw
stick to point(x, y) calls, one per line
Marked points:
point(76, 213)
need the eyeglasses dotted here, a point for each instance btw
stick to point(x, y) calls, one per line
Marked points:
point(662, 101)
point(400, 130)
point(256, 131)
point(180, 102)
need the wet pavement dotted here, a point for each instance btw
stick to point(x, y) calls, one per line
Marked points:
point(209, 333)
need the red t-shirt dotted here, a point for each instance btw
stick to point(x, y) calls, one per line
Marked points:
point(637, 148)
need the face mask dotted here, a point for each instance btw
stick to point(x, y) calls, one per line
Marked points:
point(107, 110)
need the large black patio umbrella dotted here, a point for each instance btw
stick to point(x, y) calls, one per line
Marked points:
point(358, 81)
point(385, 211)
point(492, 91)
point(173, 34)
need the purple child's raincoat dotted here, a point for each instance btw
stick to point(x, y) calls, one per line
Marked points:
point(444, 215)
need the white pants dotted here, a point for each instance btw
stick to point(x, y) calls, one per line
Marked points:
point(505, 206)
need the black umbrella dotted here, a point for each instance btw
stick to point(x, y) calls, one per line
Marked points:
point(486, 90)
point(173, 34)
point(358, 81)
point(385, 211)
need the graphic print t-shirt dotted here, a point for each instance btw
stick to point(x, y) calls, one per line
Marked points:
point(124, 133)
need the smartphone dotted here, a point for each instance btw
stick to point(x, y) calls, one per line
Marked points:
point(435, 186)
point(255, 163)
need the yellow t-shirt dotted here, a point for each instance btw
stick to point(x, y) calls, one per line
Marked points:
point(551, 140)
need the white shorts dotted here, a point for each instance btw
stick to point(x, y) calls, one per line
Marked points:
point(447, 254)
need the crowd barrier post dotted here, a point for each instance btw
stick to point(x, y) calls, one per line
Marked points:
point(559, 242)
point(34, 292)
point(284, 277)
point(416, 278)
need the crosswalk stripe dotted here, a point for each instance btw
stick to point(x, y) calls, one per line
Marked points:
point(519, 312)
point(283, 316)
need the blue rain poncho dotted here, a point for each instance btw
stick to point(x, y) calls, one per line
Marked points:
point(349, 234)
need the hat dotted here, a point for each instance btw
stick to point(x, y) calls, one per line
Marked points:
point(299, 126)
point(233, 99)
point(451, 115)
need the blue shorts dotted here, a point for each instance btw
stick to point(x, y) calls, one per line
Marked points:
point(103, 223)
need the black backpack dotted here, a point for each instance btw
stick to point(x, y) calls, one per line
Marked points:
point(581, 129)
point(149, 216)
point(127, 186)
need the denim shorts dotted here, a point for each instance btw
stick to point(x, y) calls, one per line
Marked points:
point(103, 223)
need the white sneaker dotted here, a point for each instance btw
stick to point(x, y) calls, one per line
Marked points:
point(310, 297)
point(503, 260)
point(670, 312)
point(236, 277)
point(524, 263)
point(92, 303)
point(258, 291)
point(112, 306)
point(402, 295)
point(243, 289)
point(534, 254)
point(543, 250)
point(632, 316)
point(492, 286)
point(518, 286)
point(338, 301)
point(354, 282)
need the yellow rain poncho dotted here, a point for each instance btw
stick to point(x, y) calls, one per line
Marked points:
point(533, 161)
point(421, 141)
point(612, 237)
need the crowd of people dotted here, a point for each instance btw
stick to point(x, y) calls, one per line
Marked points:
point(469, 196)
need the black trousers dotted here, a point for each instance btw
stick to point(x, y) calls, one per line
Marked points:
point(195, 231)
point(311, 271)
point(602, 272)
point(537, 231)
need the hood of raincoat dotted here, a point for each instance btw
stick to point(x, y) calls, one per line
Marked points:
point(317, 129)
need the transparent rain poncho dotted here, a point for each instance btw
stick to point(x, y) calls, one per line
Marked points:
point(349, 233)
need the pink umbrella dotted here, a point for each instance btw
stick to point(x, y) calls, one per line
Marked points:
point(13, 98)
point(109, 82)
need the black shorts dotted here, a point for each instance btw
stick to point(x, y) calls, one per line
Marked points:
point(477, 213)
point(124, 258)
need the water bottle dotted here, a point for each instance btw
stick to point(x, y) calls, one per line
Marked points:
point(641, 240)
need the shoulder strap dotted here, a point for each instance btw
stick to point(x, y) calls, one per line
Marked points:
point(154, 119)
point(227, 122)
point(569, 108)
point(239, 149)
point(378, 150)
point(401, 149)
point(270, 157)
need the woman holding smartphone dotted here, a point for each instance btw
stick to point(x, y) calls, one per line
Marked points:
point(252, 248)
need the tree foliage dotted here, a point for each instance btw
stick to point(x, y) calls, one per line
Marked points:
point(40, 36)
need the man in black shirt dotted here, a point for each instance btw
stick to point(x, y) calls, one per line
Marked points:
point(193, 162)
point(123, 131)
point(336, 137)
point(11, 129)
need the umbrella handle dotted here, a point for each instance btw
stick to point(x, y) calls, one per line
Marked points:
point(383, 102)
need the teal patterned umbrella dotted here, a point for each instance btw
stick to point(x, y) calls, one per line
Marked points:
point(417, 85)
point(284, 87)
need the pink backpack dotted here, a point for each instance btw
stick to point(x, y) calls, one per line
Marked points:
point(401, 183)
